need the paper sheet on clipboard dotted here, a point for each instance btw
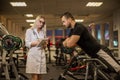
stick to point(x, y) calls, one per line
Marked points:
point(42, 42)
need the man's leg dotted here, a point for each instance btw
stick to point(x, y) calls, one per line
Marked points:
point(109, 60)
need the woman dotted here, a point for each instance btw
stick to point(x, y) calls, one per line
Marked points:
point(36, 60)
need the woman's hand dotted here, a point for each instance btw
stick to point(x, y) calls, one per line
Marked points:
point(35, 43)
point(45, 44)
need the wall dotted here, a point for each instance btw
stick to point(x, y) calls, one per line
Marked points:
point(116, 23)
point(12, 28)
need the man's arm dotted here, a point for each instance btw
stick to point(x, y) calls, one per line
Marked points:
point(65, 41)
point(71, 41)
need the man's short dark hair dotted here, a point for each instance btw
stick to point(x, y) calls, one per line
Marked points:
point(67, 15)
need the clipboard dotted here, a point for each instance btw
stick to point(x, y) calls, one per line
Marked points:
point(42, 42)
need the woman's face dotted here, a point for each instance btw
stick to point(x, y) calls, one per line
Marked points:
point(40, 23)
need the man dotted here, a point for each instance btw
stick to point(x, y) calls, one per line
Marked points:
point(79, 35)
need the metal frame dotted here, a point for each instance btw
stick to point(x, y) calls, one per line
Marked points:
point(88, 61)
point(5, 65)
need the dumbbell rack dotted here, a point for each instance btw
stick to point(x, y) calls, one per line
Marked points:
point(5, 65)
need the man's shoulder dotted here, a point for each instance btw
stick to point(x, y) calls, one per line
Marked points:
point(79, 25)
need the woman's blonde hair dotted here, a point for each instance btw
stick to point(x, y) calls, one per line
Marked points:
point(37, 18)
point(44, 26)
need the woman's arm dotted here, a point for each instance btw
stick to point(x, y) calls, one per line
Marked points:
point(28, 41)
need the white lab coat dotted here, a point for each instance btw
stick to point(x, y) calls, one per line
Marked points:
point(36, 60)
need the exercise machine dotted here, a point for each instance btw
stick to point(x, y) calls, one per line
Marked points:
point(94, 69)
point(9, 44)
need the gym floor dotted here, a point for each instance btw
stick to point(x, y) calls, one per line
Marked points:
point(53, 72)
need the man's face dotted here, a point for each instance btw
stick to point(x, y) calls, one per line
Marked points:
point(66, 22)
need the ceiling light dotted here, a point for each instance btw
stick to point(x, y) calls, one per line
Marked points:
point(31, 24)
point(30, 20)
point(18, 4)
point(94, 4)
point(29, 15)
point(79, 20)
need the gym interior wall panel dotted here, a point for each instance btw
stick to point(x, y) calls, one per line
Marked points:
point(111, 34)
point(49, 33)
point(4, 21)
point(12, 32)
point(106, 35)
point(13, 29)
point(17, 30)
point(102, 29)
point(63, 33)
point(116, 21)
point(59, 34)
point(53, 36)
point(119, 42)
point(67, 31)
point(0, 19)
point(98, 32)
point(9, 26)
point(115, 38)
point(22, 32)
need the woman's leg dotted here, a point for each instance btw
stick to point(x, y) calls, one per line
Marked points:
point(39, 77)
point(35, 77)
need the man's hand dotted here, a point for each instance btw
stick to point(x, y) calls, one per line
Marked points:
point(65, 42)
point(71, 41)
